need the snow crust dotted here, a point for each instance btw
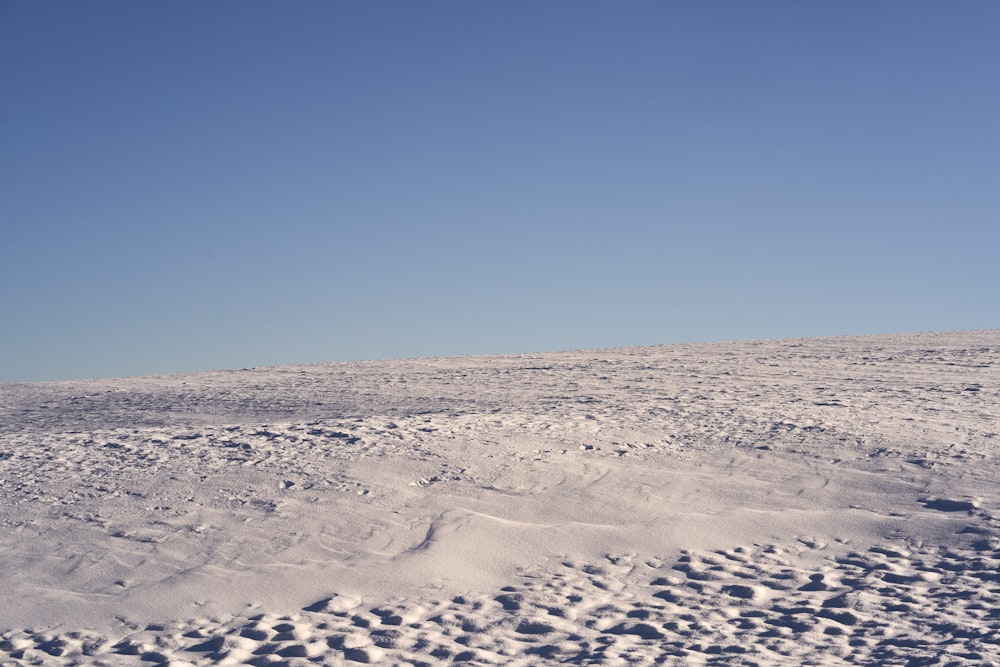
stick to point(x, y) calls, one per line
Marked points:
point(823, 501)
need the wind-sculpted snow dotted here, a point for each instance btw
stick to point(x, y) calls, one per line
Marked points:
point(815, 501)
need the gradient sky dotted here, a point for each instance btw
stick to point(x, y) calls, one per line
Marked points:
point(204, 185)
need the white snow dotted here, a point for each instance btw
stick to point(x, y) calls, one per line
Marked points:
point(822, 501)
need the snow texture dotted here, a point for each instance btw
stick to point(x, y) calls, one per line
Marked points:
point(828, 501)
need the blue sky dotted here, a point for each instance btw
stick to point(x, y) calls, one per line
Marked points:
point(193, 186)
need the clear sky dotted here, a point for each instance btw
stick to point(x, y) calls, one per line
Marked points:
point(204, 185)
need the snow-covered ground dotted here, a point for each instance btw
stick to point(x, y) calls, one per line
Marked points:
point(821, 501)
